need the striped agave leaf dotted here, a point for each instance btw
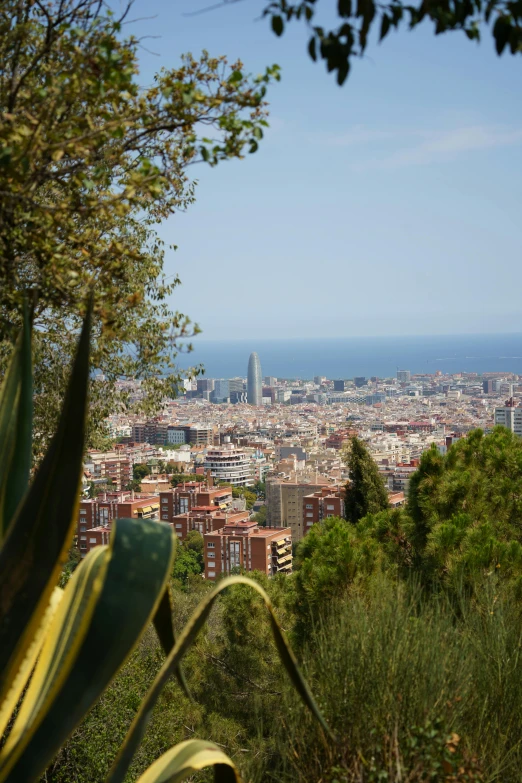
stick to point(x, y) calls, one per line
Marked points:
point(108, 603)
point(185, 640)
point(39, 534)
point(189, 757)
point(16, 413)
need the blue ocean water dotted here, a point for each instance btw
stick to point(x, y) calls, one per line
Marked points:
point(368, 356)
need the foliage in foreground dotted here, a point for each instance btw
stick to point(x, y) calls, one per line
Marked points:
point(339, 45)
point(90, 163)
point(466, 508)
point(60, 648)
point(412, 689)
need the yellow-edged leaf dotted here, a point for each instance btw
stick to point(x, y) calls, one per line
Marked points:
point(9, 401)
point(165, 630)
point(20, 681)
point(185, 640)
point(187, 758)
point(40, 534)
point(91, 643)
point(22, 454)
point(66, 633)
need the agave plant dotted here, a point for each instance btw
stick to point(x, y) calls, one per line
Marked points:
point(60, 649)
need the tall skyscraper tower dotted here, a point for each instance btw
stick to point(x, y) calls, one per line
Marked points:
point(254, 387)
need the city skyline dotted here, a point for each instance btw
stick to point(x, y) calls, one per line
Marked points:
point(345, 358)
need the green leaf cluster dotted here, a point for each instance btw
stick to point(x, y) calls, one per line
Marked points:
point(189, 559)
point(339, 45)
point(140, 471)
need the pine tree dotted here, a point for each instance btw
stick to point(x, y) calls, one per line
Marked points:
point(365, 491)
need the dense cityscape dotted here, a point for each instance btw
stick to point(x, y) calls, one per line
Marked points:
point(260, 392)
point(285, 438)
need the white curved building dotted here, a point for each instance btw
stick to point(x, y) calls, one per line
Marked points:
point(254, 383)
point(230, 464)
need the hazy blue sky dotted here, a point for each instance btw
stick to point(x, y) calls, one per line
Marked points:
point(388, 206)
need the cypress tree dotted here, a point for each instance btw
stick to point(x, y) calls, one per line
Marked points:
point(365, 491)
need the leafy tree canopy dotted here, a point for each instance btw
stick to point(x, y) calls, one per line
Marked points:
point(338, 45)
point(462, 523)
point(140, 471)
point(259, 488)
point(90, 162)
point(181, 478)
point(135, 485)
point(464, 512)
point(242, 492)
point(260, 516)
point(194, 542)
point(365, 491)
point(189, 558)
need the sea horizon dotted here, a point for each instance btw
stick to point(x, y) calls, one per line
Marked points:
point(346, 357)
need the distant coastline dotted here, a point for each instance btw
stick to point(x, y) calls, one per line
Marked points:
point(368, 356)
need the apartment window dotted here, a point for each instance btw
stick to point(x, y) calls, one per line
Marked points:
point(92, 541)
point(211, 573)
point(179, 526)
point(83, 528)
point(83, 538)
point(309, 505)
point(330, 508)
point(83, 511)
point(164, 500)
point(164, 516)
point(179, 533)
point(211, 545)
point(234, 554)
point(211, 554)
point(310, 514)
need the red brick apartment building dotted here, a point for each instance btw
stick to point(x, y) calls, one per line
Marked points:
point(97, 515)
point(187, 496)
point(242, 544)
point(205, 519)
point(198, 506)
point(114, 465)
point(326, 502)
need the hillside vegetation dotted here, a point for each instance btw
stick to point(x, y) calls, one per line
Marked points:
point(409, 630)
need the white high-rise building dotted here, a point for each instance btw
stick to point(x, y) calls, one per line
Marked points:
point(510, 416)
point(230, 464)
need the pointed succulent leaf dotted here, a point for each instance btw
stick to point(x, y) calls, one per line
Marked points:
point(165, 630)
point(40, 534)
point(15, 427)
point(189, 757)
point(109, 602)
point(185, 640)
